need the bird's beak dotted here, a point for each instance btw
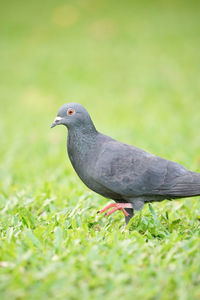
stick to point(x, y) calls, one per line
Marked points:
point(56, 122)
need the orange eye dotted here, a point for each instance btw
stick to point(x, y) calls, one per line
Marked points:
point(70, 111)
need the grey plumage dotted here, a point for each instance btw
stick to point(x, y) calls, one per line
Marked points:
point(119, 171)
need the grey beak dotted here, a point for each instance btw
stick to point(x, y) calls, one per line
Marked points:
point(56, 122)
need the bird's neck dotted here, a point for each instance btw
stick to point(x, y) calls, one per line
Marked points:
point(79, 144)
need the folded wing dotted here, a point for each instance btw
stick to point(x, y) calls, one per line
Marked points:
point(132, 172)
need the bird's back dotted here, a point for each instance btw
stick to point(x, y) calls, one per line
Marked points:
point(132, 172)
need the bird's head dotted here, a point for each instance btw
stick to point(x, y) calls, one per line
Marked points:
point(73, 115)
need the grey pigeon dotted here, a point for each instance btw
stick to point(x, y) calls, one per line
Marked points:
point(128, 175)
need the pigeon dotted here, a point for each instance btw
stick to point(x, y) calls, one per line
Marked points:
point(121, 172)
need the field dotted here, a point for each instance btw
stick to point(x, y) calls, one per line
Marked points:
point(135, 67)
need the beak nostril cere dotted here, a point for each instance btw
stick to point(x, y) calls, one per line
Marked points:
point(57, 119)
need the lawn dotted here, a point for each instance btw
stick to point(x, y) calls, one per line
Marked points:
point(136, 67)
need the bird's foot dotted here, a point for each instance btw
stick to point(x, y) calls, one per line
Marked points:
point(116, 206)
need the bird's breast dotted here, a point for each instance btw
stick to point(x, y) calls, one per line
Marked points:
point(80, 155)
point(83, 164)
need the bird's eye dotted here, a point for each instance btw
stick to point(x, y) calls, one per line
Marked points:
point(70, 111)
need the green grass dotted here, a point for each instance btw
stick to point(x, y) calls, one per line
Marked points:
point(135, 66)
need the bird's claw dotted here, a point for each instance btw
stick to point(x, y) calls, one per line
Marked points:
point(115, 207)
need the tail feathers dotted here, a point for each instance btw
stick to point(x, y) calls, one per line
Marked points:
point(186, 186)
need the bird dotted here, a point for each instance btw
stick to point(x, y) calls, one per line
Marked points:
point(118, 171)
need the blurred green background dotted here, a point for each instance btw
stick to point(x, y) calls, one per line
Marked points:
point(136, 67)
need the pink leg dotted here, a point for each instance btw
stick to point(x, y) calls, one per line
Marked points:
point(106, 208)
point(116, 206)
point(115, 209)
